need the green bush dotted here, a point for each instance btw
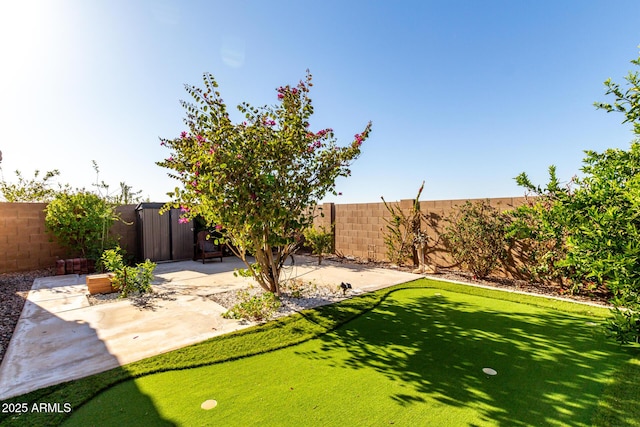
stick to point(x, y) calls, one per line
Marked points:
point(256, 307)
point(600, 219)
point(624, 325)
point(81, 222)
point(320, 241)
point(538, 231)
point(128, 279)
point(475, 237)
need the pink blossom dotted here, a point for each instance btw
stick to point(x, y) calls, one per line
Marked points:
point(294, 91)
point(239, 156)
point(211, 150)
point(194, 183)
point(280, 96)
point(184, 208)
point(218, 227)
point(183, 134)
point(170, 159)
point(183, 220)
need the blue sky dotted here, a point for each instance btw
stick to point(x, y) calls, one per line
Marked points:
point(462, 94)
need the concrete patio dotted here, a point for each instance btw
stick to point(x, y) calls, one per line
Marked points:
point(61, 337)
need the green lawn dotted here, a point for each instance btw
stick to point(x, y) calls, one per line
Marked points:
point(408, 355)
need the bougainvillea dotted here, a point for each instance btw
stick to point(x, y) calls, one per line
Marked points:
point(256, 180)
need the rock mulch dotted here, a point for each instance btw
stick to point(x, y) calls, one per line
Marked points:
point(297, 297)
point(14, 288)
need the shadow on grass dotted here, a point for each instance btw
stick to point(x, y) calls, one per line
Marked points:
point(550, 364)
point(45, 349)
point(552, 367)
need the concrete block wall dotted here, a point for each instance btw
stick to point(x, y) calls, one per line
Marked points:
point(25, 244)
point(360, 228)
point(359, 231)
point(438, 211)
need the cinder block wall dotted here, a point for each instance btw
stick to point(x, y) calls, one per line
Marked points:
point(359, 231)
point(438, 211)
point(360, 228)
point(25, 244)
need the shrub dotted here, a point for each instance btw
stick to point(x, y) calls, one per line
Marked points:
point(320, 241)
point(538, 230)
point(81, 222)
point(475, 237)
point(624, 325)
point(128, 279)
point(254, 307)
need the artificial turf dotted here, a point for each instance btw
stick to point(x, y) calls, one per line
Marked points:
point(415, 359)
point(411, 354)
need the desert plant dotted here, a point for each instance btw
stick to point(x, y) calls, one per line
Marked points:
point(320, 241)
point(475, 237)
point(253, 307)
point(402, 231)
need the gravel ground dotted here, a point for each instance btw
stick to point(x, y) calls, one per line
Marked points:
point(14, 288)
point(297, 296)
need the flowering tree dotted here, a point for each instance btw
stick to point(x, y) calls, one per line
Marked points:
point(256, 181)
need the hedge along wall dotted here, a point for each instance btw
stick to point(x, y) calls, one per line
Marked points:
point(360, 228)
point(25, 244)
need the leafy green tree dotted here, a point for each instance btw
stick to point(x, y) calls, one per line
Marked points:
point(601, 218)
point(626, 101)
point(256, 180)
point(36, 189)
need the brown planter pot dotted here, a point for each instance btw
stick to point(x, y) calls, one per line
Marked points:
point(100, 284)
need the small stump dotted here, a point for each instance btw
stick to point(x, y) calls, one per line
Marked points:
point(100, 284)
